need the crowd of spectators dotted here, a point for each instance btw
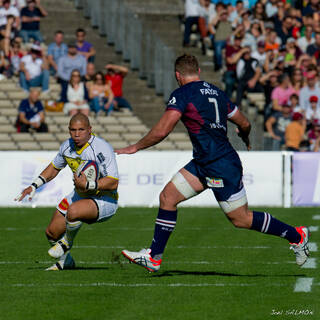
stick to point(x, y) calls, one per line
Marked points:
point(25, 55)
point(270, 47)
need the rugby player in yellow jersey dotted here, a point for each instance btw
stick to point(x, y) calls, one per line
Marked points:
point(89, 202)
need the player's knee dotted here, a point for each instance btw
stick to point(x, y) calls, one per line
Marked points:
point(240, 223)
point(72, 213)
point(167, 199)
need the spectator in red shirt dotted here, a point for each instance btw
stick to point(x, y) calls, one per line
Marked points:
point(115, 75)
point(233, 54)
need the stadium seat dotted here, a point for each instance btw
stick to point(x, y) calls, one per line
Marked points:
point(129, 120)
point(28, 145)
point(3, 120)
point(138, 128)
point(63, 121)
point(17, 95)
point(9, 112)
point(7, 128)
point(184, 145)
point(62, 136)
point(54, 128)
point(50, 145)
point(110, 136)
point(5, 137)
point(107, 120)
point(6, 104)
point(132, 137)
point(21, 136)
point(114, 128)
point(119, 144)
point(165, 145)
point(45, 136)
point(123, 113)
point(9, 86)
point(8, 145)
point(178, 136)
point(3, 96)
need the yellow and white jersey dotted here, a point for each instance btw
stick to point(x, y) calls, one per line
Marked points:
point(96, 149)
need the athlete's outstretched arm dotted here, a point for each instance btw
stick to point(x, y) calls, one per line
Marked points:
point(164, 126)
point(49, 173)
point(244, 127)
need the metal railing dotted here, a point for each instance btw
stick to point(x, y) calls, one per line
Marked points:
point(139, 45)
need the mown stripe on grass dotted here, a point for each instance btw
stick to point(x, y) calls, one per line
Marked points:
point(316, 217)
point(313, 228)
point(313, 247)
point(310, 264)
point(303, 285)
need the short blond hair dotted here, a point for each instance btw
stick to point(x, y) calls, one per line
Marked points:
point(187, 65)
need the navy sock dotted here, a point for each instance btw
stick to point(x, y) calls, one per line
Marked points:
point(266, 223)
point(165, 223)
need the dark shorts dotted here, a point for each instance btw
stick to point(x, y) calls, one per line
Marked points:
point(223, 177)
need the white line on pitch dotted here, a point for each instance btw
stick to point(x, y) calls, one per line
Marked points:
point(313, 247)
point(313, 228)
point(316, 217)
point(310, 264)
point(303, 285)
point(167, 262)
point(114, 284)
point(178, 247)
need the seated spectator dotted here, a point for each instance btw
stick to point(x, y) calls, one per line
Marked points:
point(235, 15)
point(222, 30)
point(115, 75)
point(15, 55)
point(276, 126)
point(293, 53)
point(260, 54)
point(233, 54)
point(90, 74)
point(31, 115)
point(295, 132)
point(9, 33)
point(311, 8)
point(101, 95)
point(77, 96)
point(66, 65)
point(271, 8)
point(30, 21)
point(297, 80)
point(56, 50)
point(313, 111)
point(284, 28)
point(34, 70)
point(191, 9)
point(248, 74)
point(84, 47)
point(252, 36)
point(313, 50)
point(294, 103)
point(314, 136)
point(272, 41)
point(258, 11)
point(307, 39)
point(310, 89)
point(281, 94)
point(6, 10)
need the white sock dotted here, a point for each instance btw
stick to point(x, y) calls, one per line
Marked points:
point(72, 229)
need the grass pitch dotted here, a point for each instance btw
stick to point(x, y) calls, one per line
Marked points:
point(210, 270)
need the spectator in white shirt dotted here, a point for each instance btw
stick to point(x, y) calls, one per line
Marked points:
point(311, 89)
point(7, 10)
point(260, 54)
point(303, 42)
point(192, 8)
point(34, 70)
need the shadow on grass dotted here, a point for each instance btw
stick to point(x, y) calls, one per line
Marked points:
point(171, 273)
point(75, 269)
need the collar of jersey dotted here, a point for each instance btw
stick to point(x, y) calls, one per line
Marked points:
point(80, 150)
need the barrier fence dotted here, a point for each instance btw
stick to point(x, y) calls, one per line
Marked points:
point(281, 179)
point(139, 45)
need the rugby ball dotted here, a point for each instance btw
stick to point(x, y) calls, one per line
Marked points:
point(90, 169)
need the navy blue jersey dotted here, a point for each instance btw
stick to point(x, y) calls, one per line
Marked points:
point(205, 110)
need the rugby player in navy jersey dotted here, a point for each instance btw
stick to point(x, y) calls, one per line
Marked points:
point(204, 109)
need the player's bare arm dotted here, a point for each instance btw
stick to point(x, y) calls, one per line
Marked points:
point(243, 127)
point(49, 173)
point(164, 126)
point(105, 183)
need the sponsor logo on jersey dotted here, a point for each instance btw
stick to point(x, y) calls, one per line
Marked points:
point(173, 101)
point(73, 163)
point(206, 84)
point(214, 182)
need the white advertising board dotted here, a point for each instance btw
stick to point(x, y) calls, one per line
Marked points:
point(142, 177)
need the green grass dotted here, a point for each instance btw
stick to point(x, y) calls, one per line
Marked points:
point(210, 270)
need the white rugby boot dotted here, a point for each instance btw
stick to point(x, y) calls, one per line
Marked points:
point(143, 259)
point(65, 263)
point(59, 249)
point(301, 249)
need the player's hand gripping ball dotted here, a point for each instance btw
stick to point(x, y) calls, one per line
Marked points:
point(90, 170)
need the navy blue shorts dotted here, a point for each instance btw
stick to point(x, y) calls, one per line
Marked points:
point(223, 177)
